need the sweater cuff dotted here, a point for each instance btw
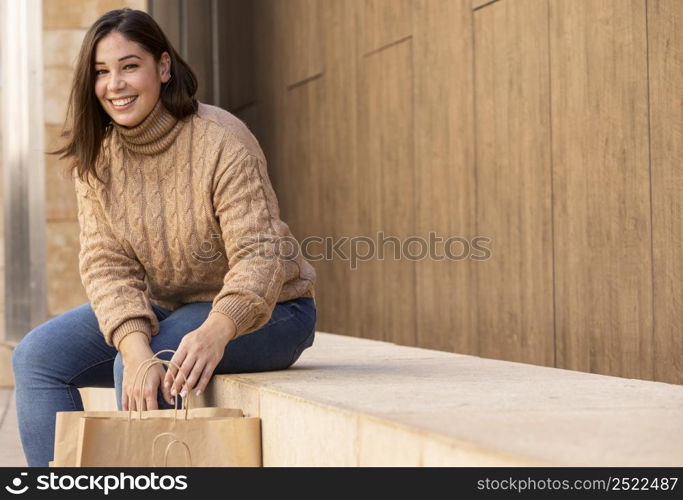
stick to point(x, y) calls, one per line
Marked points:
point(132, 325)
point(237, 310)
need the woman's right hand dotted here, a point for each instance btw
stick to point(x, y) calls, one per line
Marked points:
point(135, 350)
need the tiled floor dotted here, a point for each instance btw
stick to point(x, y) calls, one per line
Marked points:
point(11, 453)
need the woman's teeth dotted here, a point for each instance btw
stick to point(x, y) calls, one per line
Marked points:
point(123, 102)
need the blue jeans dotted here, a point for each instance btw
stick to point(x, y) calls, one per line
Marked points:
point(67, 352)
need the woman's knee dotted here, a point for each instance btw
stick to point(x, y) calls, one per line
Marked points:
point(32, 351)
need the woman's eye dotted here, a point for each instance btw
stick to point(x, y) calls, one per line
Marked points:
point(127, 66)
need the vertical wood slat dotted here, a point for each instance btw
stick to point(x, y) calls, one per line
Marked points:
point(444, 163)
point(368, 295)
point(266, 66)
point(601, 187)
point(302, 48)
point(338, 190)
point(236, 54)
point(300, 125)
point(167, 15)
point(301, 158)
point(382, 22)
point(515, 285)
point(665, 42)
point(200, 46)
point(386, 165)
point(270, 89)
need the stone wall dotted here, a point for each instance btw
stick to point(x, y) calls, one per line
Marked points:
point(64, 25)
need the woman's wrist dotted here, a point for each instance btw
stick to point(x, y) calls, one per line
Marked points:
point(223, 324)
point(134, 343)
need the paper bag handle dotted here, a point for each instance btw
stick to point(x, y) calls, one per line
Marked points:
point(168, 447)
point(186, 400)
point(186, 403)
point(147, 364)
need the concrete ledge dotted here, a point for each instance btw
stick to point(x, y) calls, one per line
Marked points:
point(350, 401)
point(357, 402)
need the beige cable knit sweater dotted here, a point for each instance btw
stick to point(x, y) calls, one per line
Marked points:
point(188, 214)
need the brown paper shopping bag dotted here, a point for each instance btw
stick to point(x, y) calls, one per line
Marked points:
point(67, 425)
point(201, 437)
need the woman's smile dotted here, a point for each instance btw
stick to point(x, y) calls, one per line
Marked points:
point(123, 103)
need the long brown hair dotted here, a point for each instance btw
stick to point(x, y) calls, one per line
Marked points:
point(87, 124)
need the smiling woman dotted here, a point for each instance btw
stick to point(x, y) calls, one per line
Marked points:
point(172, 174)
point(124, 54)
point(128, 79)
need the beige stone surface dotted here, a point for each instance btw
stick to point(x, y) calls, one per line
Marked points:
point(350, 401)
point(65, 290)
point(481, 410)
point(64, 14)
point(388, 444)
point(384, 445)
point(98, 398)
point(300, 433)
point(225, 393)
point(61, 46)
point(60, 195)
point(57, 85)
point(447, 453)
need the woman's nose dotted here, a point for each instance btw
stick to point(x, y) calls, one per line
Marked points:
point(116, 83)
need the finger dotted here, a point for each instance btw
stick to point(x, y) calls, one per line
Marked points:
point(132, 401)
point(197, 370)
point(206, 377)
point(166, 390)
point(177, 360)
point(151, 401)
point(124, 401)
point(179, 381)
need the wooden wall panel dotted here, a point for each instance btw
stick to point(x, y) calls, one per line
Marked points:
point(268, 87)
point(167, 14)
point(386, 182)
point(338, 191)
point(665, 42)
point(270, 91)
point(601, 187)
point(198, 45)
point(366, 112)
point(515, 285)
point(383, 22)
point(302, 48)
point(234, 71)
point(302, 160)
point(478, 4)
point(444, 161)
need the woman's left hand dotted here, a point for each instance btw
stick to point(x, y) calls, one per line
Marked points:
point(198, 354)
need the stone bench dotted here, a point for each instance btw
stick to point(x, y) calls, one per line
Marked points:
point(350, 401)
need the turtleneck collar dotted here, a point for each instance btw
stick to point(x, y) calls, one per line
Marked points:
point(153, 135)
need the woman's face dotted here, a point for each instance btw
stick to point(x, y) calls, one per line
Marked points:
point(128, 79)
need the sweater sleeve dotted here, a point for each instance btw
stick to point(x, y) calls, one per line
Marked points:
point(245, 208)
point(113, 280)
